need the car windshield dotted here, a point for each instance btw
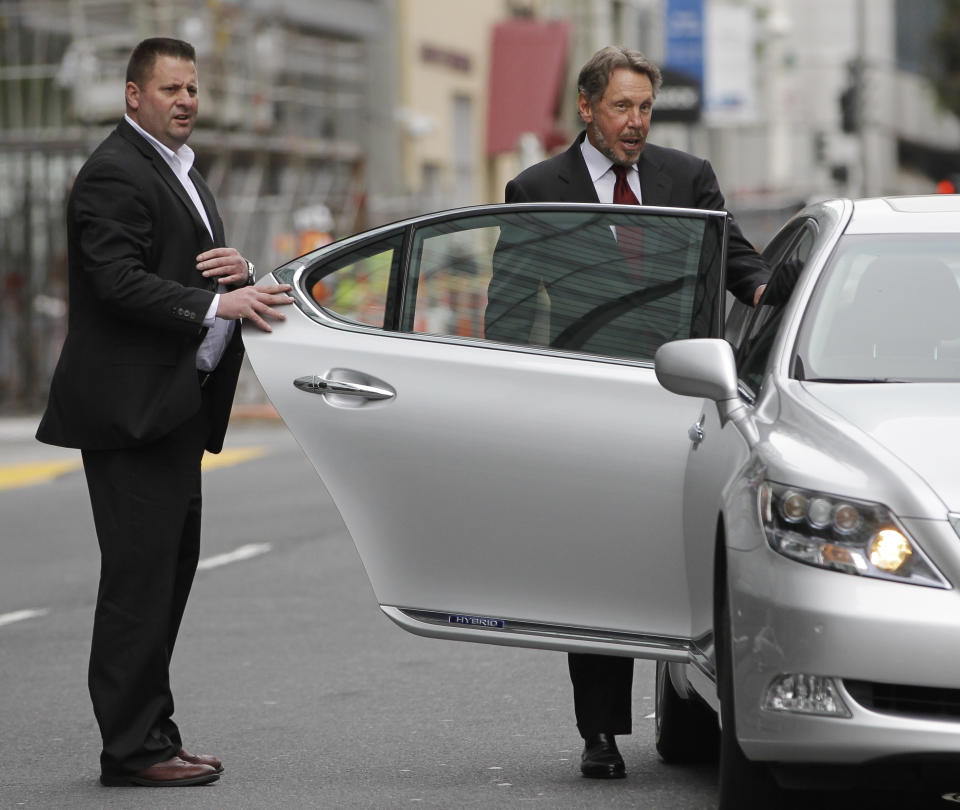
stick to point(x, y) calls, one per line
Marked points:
point(886, 309)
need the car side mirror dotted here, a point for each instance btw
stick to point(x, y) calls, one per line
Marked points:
point(705, 367)
point(701, 367)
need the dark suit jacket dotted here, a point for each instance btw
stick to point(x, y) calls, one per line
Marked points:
point(668, 177)
point(127, 372)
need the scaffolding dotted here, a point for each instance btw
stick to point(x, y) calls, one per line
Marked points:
point(282, 106)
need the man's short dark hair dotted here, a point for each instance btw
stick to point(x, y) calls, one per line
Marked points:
point(140, 66)
point(595, 75)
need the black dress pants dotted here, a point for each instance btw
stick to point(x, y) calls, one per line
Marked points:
point(146, 507)
point(602, 693)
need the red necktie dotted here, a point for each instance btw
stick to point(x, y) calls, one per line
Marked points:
point(622, 193)
point(629, 238)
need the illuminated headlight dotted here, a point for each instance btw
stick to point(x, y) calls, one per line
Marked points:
point(805, 694)
point(855, 537)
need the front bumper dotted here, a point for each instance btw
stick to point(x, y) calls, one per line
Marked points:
point(792, 618)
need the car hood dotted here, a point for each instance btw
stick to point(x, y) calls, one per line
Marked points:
point(917, 422)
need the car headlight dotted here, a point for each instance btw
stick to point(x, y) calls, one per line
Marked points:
point(841, 534)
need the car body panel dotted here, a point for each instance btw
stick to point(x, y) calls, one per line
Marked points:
point(812, 445)
point(917, 422)
point(909, 214)
point(795, 618)
point(524, 496)
point(479, 508)
point(487, 499)
point(892, 443)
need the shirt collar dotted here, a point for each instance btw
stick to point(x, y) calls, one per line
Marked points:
point(598, 163)
point(181, 158)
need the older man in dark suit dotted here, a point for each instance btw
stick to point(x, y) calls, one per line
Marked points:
point(610, 162)
point(144, 385)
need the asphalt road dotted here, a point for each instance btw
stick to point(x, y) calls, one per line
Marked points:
point(286, 668)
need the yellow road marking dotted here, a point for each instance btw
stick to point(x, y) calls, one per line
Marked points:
point(17, 476)
point(14, 476)
point(230, 456)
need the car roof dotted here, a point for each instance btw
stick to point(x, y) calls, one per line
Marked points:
point(930, 213)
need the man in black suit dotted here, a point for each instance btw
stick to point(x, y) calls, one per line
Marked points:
point(144, 385)
point(610, 161)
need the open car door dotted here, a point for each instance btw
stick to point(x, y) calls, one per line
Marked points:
point(476, 390)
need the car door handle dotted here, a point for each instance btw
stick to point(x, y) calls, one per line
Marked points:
point(314, 384)
point(695, 433)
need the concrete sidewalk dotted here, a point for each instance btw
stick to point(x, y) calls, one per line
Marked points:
point(18, 428)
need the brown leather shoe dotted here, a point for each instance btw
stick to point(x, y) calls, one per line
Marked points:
point(202, 759)
point(174, 772)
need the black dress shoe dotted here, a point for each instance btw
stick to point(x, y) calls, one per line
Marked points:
point(601, 759)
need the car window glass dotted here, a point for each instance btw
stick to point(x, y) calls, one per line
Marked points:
point(355, 286)
point(754, 350)
point(739, 314)
point(735, 326)
point(602, 283)
point(783, 242)
point(451, 269)
point(887, 307)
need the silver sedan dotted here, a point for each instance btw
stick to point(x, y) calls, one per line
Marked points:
point(770, 509)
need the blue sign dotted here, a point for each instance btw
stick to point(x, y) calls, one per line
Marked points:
point(684, 29)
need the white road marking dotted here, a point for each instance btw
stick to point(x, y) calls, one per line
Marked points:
point(238, 554)
point(21, 615)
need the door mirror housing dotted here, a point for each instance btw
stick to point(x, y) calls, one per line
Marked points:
point(702, 367)
point(705, 367)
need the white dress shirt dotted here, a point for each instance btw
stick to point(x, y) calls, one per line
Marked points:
point(220, 330)
point(600, 168)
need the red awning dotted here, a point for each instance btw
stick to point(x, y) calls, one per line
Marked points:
point(527, 74)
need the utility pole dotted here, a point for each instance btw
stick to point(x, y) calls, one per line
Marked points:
point(861, 59)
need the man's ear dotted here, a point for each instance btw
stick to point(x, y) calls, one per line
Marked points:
point(584, 108)
point(132, 94)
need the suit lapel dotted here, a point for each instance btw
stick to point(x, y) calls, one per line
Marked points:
point(177, 187)
point(575, 184)
point(655, 184)
point(165, 172)
point(206, 197)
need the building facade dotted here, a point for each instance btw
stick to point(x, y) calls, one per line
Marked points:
point(319, 118)
point(290, 94)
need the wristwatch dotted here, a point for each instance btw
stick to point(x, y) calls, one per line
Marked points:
point(251, 274)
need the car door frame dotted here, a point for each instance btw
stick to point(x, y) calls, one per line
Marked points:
point(487, 628)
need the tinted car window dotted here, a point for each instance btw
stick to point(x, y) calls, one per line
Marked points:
point(886, 308)
point(789, 242)
point(608, 284)
point(355, 287)
point(755, 348)
point(604, 283)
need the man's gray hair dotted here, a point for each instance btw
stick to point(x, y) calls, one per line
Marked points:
point(595, 75)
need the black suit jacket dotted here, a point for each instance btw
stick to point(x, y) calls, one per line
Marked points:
point(127, 372)
point(668, 177)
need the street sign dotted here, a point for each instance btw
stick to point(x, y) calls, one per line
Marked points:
point(680, 99)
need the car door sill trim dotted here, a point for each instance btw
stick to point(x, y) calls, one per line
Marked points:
point(509, 632)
